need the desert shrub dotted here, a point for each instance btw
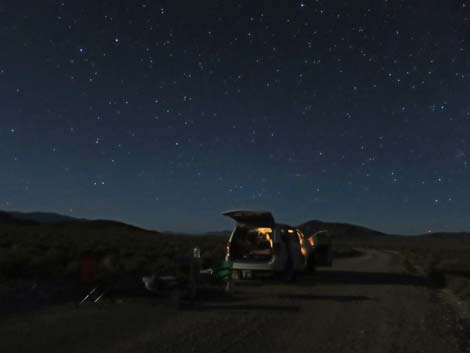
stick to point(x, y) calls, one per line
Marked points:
point(409, 265)
point(15, 263)
point(5, 241)
point(52, 264)
point(72, 268)
point(458, 284)
point(133, 264)
point(3, 262)
point(160, 265)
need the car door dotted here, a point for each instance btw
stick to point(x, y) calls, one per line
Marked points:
point(306, 246)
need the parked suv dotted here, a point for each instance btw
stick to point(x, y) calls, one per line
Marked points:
point(258, 246)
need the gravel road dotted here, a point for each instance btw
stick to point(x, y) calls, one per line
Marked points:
point(363, 304)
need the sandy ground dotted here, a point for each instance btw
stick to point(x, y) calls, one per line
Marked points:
point(363, 304)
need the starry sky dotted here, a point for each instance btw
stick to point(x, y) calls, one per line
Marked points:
point(165, 113)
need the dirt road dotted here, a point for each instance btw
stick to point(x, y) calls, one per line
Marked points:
point(363, 304)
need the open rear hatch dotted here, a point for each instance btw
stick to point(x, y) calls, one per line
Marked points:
point(252, 240)
point(254, 218)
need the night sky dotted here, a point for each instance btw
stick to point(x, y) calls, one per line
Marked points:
point(165, 113)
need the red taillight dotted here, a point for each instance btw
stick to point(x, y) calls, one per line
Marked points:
point(276, 248)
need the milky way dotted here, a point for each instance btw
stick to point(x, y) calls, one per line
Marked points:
point(165, 113)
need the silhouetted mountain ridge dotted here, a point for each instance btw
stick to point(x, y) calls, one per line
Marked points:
point(7, 218)
point(352, 231)
point(50, 218)
point(340, 230)
point(337, 230)
point(42, 217)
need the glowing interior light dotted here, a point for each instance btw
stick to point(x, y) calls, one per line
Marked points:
point(266, 233)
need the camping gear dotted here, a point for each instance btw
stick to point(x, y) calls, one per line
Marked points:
point(189, 279)
point(97, 275)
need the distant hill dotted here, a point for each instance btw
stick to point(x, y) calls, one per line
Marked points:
point(42, 217)
point(7, 218)
point(101, 224)
point(340, 230)
point(49, 218)
point(220, 233)
point(215, 233)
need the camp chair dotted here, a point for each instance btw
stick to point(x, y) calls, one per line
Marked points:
point(224, 271)
point(220, 275)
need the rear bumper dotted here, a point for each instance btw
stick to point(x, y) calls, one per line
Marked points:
point(252, 274)
point(271, 265)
